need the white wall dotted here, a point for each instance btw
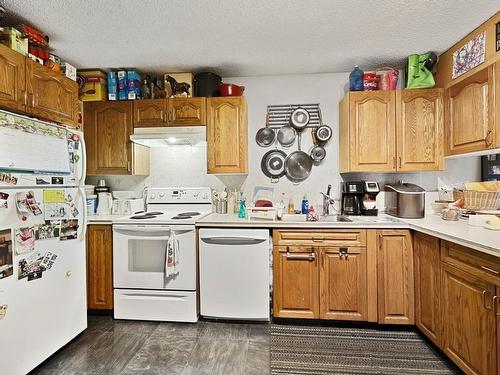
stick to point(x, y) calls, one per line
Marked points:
point(184, 165)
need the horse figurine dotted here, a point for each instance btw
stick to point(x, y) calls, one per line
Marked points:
point(178, 88)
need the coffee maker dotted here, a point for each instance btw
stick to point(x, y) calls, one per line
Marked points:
point(352, 194)
point(358, 198)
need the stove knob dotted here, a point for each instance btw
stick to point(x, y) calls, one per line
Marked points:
point(162, 195)
point(152, 196)
point(196, 195)
point(205, 196)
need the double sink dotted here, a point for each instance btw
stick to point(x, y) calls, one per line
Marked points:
point(303, 218)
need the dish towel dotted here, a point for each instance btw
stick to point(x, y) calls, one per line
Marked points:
point(172, 256)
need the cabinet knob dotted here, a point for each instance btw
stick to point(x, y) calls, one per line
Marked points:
point(489, 138)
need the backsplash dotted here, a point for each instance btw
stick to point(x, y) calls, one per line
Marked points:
point(186, 165)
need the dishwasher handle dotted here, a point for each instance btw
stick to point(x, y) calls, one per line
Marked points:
point(224, 240)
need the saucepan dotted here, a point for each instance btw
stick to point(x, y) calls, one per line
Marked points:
point(265, 136)
point(299, 118)
point(230, 89)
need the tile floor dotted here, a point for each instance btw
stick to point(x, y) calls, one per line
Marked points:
point(133, 348)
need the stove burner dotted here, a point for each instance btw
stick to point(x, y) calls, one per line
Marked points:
point(189, 213)
point(143, 216)
point(178, 217)
point(156, 213)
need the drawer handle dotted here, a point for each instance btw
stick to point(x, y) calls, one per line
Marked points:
point(311, 256)
point(343, 252)
point(495, 272)
point(495, 305)
point(485, 298)
point(489, 138)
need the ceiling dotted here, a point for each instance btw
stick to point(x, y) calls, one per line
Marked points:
point(249, 37)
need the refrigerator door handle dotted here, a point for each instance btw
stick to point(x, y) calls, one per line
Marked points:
point(83, 233)
point(81, 180)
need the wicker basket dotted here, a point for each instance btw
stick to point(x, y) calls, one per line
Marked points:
point(481, 200)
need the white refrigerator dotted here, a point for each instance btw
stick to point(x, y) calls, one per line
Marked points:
point(42, 241)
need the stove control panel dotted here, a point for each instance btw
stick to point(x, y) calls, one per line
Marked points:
point(179, 195)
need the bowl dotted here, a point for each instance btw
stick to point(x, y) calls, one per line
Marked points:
point(437, 206)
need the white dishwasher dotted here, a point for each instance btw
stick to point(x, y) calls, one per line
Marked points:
point(234, 273)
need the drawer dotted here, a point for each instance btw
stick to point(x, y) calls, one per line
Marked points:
point(338, 237)
point(480, 264)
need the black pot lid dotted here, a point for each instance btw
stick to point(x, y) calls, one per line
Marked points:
point(273, 163)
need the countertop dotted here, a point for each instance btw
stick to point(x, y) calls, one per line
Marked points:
point(481, 239)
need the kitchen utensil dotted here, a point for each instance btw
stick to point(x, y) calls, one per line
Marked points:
point(206, 84)
point(230, 89)
point(299, 118)
point(405, 200)
point(318, 153)
point(286, 136)
point(298, 164)
point(273, 164)
point(323, 133)
point(265, 137)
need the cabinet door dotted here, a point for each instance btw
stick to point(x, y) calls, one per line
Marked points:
point(100, 267)
point(150, 113)
point(419, 117)
point(107, 129)
point(428, 286)
point(51, 95)
point(296, 291)
point(468, 321)
point(227, 135)
point(343, 283)
point(13, 82)
point(187, 111)
point(469, 113)
point(395, 277)
point(372, 131)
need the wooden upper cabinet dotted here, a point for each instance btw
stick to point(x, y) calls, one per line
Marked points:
point(227, 135)
point(296, 289)
point(187, 111)
point(51, 95)
point(150, 113)
point(428, 286)
point(469, 116)
point(107, 129)
point(343, 283)
point(100, 267)
point(13, 79)
point(420, 126)
point(368, 132)
point(469, 325)
point(395, 277)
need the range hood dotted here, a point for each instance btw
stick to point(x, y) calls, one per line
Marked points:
point(166, 136)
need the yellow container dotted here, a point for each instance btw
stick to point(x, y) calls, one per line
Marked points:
point(92, 85)
point(13, 38)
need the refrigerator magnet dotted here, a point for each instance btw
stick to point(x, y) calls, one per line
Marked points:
point(3, 310)
point(4, 200)
point(47, 231)
point(24, 240)
point(69, 229)
point(29, 266)
point(48, 260)
point(6, 256)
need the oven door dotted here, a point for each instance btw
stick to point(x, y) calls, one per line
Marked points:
point(139, 257)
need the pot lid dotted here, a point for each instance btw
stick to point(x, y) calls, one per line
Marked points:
point(405, 187)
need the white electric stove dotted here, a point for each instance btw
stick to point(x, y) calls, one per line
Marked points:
point(142, 289)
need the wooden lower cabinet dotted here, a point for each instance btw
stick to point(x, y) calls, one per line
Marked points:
point(343, 283)
point(296, 289)
point(497, 313)
point(469, 324)
point(100, 267)
point(427, 264)
point(395, 277)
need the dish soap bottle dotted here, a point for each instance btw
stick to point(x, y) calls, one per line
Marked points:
point(305, 205)
point(291, 207)
point(356, 79)
point(243, 209)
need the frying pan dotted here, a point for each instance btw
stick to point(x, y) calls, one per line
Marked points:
point(265, 136)
point(299, 118)
point(324, 133)
point(286, 136)
point(298, 165)
point(273, 164)
point(318, 152)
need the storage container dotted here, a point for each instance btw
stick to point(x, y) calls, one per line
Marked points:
point(15, 40)
point(91, 85)
point(206, 84)
point(481, 200)
point(405, 200)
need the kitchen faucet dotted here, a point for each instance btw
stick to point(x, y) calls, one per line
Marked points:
point(327, 200)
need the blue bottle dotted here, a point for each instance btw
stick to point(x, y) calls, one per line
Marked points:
point(356, 79)
point(242, 211)
point(305, 206)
